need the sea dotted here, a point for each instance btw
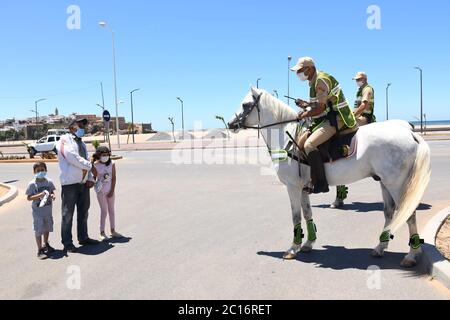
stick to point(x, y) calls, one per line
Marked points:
point(433, 123)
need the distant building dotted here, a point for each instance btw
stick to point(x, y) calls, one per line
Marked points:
point(147, 128)
point(92, 118)
point(122, 123)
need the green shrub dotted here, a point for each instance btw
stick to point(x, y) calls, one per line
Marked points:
point(96, 144)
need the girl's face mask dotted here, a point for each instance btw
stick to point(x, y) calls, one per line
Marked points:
point(104, 159)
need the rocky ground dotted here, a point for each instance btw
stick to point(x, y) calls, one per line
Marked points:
point(443, 239)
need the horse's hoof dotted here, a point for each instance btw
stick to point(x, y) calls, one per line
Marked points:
point(306, 249)
point(408, 263)
point(289, 256)
point(337, 205)
point(376, 254)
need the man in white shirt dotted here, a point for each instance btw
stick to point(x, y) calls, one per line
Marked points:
point(76, 181)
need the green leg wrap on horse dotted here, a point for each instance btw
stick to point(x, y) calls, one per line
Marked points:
point(415, 242)
point(298, 235)
point(342, 192)
point(312, 231)
point(386, 237)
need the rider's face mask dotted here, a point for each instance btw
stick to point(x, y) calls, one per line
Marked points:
point(359, 83)
point(302, 76)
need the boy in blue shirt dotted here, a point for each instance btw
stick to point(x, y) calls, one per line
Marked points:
point(41, 191)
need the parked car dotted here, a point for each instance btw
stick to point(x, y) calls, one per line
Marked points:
point(57, 132)
point(45, 144)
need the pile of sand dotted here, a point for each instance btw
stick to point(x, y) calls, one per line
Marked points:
point(443, 239)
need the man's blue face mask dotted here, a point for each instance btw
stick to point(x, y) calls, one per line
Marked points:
point(80, 133)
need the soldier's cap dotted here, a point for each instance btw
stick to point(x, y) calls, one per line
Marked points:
point(360, 75)
point(303, 62)
point(84, 121)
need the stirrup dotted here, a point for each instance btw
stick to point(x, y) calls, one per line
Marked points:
point(321, 188)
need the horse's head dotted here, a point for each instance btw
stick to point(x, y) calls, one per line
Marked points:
point(247, 114)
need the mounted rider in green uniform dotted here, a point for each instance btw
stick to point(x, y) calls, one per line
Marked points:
point(365, 114)
point(330, 113)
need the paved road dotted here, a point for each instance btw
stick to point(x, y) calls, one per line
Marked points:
point(216, 232)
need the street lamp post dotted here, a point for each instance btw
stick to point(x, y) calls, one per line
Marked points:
point(36, 108)
point(182, 115)
point(276, 93)
point(106, 127)
point(425, 124)
point(257, 83)
point(105, 25)
point(36, 111)
point(103, 96)
point(132, 113)
point(173, 129)
point(387, 101)
point(421, 98)
point(220, 118)
point(289, 77)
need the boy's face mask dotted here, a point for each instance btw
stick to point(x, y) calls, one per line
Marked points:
point(41, 175)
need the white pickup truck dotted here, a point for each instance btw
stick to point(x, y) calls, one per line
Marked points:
point(45, 144)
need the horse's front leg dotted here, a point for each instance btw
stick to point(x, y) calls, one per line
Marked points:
point(296, 206)
point(311, 227)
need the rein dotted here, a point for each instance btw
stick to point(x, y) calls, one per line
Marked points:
point(244, 115)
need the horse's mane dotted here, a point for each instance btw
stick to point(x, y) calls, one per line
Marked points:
point(281, 110)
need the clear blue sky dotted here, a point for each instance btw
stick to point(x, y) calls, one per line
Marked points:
point(208, 52)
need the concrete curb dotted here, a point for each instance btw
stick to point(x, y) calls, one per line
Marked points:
point(45, 160)
point(11, 195)
point(433, 261)
point(29, 161)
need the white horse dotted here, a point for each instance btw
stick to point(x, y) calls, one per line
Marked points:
point(388, 150)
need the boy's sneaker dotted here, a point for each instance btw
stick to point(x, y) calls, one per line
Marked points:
point(103, 237)
point(41, 255)
point(116, 235)
point(48, 248)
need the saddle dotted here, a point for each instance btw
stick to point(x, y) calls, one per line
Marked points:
point(339, 147)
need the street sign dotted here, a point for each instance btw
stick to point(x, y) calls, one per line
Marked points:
point(106, 116)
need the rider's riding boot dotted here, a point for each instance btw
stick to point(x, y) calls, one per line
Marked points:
point(318, 176)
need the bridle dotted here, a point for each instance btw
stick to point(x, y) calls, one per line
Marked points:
point(248, 107)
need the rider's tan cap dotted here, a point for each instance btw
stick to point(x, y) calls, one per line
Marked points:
point(360, 75)
point(303, 62)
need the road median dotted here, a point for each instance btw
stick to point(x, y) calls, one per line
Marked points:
point(433, 261)
point(10, 194)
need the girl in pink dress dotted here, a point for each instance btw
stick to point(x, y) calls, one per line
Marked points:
point(105, 188)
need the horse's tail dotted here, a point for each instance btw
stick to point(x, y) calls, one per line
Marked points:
point(414, 187)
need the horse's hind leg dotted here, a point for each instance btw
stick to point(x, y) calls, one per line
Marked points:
point(415, 244)
point(389, 209)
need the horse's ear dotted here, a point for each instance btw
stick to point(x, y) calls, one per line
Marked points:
point(255, 91)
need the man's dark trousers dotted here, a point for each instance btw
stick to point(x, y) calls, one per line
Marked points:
point(75, 195)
